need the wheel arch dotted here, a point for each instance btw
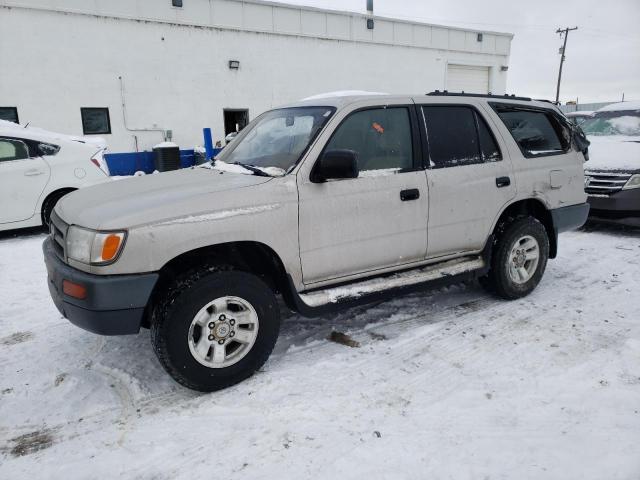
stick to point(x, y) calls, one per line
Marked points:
point(59, 193)
point(247, 256)
point(536, 208)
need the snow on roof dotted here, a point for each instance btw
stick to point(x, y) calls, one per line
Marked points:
point(615, 107)
point(579, 113)
point(35, 133)
point(165, 145)
point(342, 93)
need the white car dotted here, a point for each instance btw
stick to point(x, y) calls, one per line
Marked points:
point(38, 167)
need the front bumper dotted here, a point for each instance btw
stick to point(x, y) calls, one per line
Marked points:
point(113, 305)
point(620, 207)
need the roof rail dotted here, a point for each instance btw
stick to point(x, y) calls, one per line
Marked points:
point(438, 93)
point(557, 104)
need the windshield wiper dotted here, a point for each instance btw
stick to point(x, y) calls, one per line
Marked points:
point(253, 169)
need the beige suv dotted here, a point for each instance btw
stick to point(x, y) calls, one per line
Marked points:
point(329, 203)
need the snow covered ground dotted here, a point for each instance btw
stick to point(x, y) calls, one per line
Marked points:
point(445, 384)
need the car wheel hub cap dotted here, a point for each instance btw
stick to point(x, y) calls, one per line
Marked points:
point(523, 259)
point(223, 332)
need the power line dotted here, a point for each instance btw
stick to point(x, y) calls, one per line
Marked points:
point(563, 49)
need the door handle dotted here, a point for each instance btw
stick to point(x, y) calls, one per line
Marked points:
point(33, 173)
point(503, 182)
point(410, 194)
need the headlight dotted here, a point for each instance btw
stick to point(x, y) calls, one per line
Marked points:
point(634, 182)
point(92, 247)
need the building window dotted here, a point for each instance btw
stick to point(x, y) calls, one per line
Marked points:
point(176, 3)
point(95, 121)
point(9, 114)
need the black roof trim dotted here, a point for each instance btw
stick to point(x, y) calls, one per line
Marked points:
point(444, 93)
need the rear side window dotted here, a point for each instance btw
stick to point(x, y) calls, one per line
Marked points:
point(457, 136)
point(536, 132)
point(380, 136)
point(13, 150)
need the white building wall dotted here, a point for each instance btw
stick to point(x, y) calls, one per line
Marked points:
point(60, 55)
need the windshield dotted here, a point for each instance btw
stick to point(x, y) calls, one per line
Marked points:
point(613, 123)
point(277, 138)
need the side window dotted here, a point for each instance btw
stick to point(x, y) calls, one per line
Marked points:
point(488, 145)
point(380, 136)
point(452, 135)
point(13, 150)
point(537, 133)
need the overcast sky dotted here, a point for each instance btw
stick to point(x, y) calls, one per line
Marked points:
point(603, 55)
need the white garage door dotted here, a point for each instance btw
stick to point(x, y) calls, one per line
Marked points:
point(468, 79)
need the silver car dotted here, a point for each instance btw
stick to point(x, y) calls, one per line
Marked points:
point(327, 203)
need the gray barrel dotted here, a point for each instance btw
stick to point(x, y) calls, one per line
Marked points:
point(166, 158)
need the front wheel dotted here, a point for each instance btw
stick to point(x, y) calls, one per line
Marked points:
point(215, 329)
point(519, 259)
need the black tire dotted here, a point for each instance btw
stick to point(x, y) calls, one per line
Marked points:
point(49, 204)
point(188, 295)
point(498, 281)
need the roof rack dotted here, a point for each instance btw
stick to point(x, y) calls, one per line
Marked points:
point(557, 104)
point(443, 93)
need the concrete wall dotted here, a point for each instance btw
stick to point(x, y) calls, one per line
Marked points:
point(60, 55)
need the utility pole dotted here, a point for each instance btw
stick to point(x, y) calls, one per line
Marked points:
point(565, 32)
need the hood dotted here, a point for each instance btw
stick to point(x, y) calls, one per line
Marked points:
point(616, 153)
point(151, 198)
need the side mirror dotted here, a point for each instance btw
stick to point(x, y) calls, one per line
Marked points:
point(335, 164)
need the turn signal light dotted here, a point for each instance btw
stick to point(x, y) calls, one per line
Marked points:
point(74, 290)
point(110, 247)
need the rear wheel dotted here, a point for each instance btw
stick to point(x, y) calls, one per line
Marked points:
point(519, 258)
point(215, 329)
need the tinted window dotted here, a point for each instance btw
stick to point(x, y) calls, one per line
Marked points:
point(453, 139)
point(488, 145)
point(95, 121)
point(9, 114)
point(12, 150)
point(380, 136)
point(536, 132)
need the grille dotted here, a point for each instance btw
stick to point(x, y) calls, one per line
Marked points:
point(58, 234)
point(604, 183)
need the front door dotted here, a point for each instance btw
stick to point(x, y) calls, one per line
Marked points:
point(22, 180)
point(470, 178)
point(375, 221)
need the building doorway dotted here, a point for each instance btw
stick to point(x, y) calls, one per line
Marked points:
point(235, 119)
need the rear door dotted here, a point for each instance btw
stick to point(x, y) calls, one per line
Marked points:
point(470, 177)
point(23, 178)
point(378, 220)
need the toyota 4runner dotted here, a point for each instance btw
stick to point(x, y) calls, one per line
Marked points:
point(329, 203)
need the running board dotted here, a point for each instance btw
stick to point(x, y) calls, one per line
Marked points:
point(317, 302)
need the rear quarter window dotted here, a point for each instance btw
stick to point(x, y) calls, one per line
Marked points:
point(537, 132)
